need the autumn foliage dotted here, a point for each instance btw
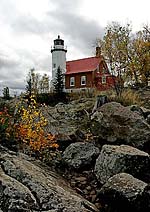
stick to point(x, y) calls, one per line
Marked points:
point(27, 126)
point(127, 53)
point(6, 130)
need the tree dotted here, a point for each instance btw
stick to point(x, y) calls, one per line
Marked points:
point(44, 84)
point(29, 84)
point(128, 54)
point(114, 46)
point(141, 56)
point(59, 82)
point(33, 79)
point(6, 93)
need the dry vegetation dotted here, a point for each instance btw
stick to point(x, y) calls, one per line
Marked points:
point(127, 97)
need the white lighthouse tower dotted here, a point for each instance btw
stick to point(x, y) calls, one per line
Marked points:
point(58, 56)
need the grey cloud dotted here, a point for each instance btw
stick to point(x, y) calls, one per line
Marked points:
point(82, 32)
point(5, 61)
point(20, 23)
point(8, 67)
point(13, 84)
point(28, 24)
point(77, 32)
point(36, 60)
point(63, 19)
point(66, 5)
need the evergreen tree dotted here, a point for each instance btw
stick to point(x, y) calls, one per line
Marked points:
point(6, 93)
point(29, 83)
point(59, 82)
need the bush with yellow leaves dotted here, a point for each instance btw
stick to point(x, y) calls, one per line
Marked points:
point(31, 128)
point(26, 126)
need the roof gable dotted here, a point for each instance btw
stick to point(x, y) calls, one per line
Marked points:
point(82, 65)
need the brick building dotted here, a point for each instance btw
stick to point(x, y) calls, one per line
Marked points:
point(81, 74)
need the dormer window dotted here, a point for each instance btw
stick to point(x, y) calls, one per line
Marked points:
point(103, 79)
point(83, 80)
point(72, 81)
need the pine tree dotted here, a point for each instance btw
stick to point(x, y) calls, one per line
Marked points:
point(59, 82)
point(6, 93)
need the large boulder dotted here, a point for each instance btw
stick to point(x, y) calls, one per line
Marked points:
point(137, 109)
point(140, 110)
point(80, 155)
point(123, 192)
point(66, 120)
point(115, 159)
point(148, 119)
point(27, 185)
point(117, 124)
point(14, 195)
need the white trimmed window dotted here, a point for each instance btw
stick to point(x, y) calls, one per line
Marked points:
point(72, 81)
point(103, 79)
point(54, 65)
point(83, 80)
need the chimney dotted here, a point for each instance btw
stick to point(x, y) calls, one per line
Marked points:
point(98, 51)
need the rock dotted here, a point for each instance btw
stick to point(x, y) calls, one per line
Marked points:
point(116, 159)
point(80, 155)
point(140, 110)
point(98, 205)
point(88, 188)
point(65, 119)
point(93, 198)
point(148, 119)
point(14, 195)
point(146, 111)
point(137, 109)
point(80, 179)
point(123, 192)
point(117, 124)
point(145, 97)
point(92, 192)
point(28, 185)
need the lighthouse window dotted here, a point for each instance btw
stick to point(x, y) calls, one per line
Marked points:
point(83, 80)
point(72, 81)
point(54, 65)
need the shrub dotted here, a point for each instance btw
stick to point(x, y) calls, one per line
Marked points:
point(26, 126)
point(87, 93)
point(129, 97)
point(51, 98)
point(31, 128)
point(7, 129)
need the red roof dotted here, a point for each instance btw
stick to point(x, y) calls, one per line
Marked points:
point(82, 65)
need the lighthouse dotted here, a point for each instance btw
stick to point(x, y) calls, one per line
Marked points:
point(58, 56)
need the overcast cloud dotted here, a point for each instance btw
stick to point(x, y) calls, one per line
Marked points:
point(28, 28)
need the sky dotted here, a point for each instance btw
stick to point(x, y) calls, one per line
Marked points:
point(28, 28)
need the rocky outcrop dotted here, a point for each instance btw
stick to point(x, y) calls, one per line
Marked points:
point(67, 121)
point(111, 123)
point(148, 119)
point(27, 185)
point(137, 109)
point(140, 110)
point(14, 195)
point(117, 124)
point(80, 155)
point(145, 96)
point(124, 193)
point(115, 159)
